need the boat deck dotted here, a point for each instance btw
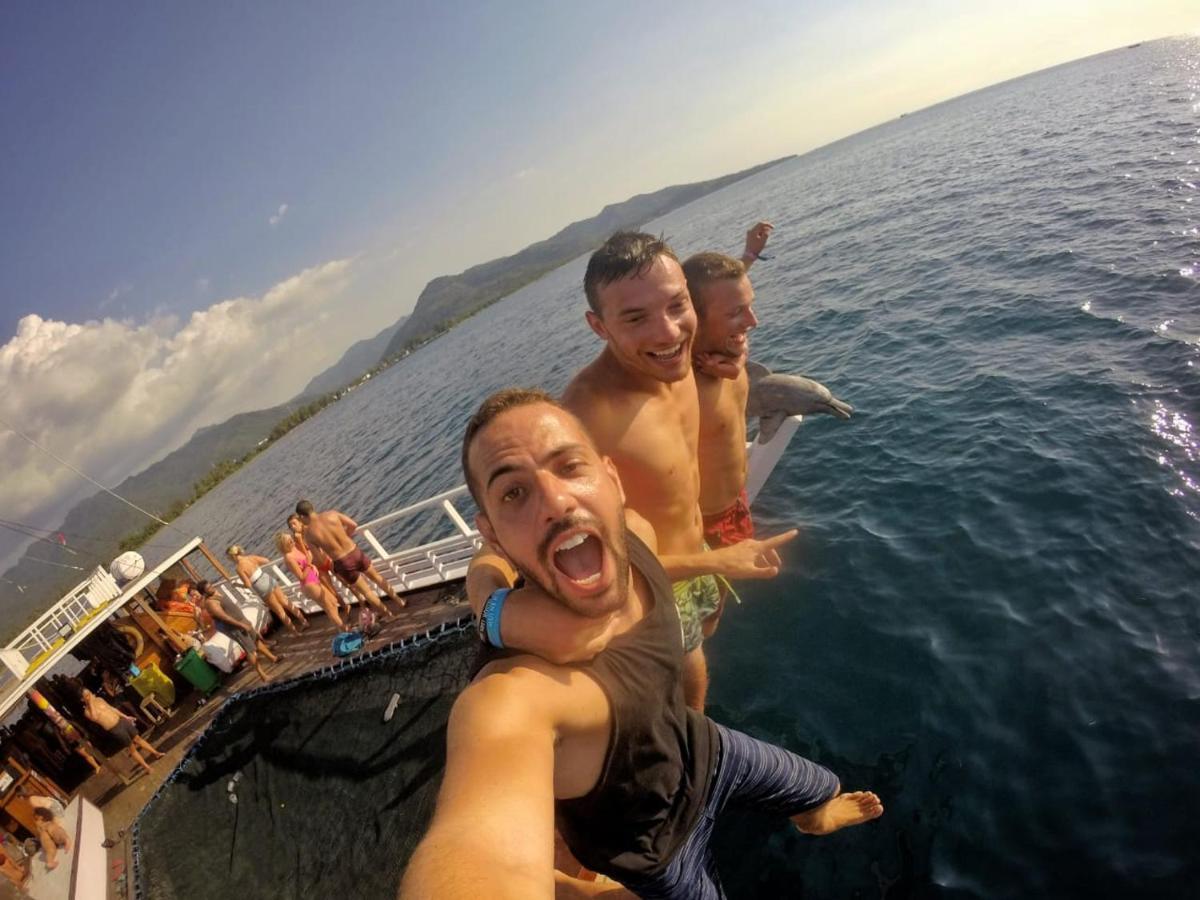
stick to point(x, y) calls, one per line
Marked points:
point(121, 800)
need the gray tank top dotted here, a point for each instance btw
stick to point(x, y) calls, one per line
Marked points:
point(231, 609)
point(661, 754)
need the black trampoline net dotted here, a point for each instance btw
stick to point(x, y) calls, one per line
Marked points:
point(304, 790)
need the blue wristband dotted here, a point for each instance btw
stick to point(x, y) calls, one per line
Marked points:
point(491, 616)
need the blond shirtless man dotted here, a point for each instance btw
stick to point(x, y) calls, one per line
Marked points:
point(724, 301)
point(333, 532)
point(639, 402)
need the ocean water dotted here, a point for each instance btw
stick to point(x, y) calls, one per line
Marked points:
point(991, 617)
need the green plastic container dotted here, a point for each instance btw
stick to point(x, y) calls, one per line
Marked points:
point(193, 667)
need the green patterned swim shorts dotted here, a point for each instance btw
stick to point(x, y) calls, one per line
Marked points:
point(696, 599)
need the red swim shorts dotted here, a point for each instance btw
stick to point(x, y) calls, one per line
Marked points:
point(350, 566)
point(732, 526)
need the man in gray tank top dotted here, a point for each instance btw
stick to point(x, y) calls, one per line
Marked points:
point(635, 777)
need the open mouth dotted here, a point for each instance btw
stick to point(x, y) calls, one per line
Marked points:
point(736, 344)
point(579, 558)
point(670, 355)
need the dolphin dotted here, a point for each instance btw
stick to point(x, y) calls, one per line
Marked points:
point(775, 397)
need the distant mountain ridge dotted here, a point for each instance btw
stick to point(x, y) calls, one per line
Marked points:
point(360, 357)
point(450, 298)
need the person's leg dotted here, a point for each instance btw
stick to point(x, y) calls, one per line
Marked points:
point(323, 599)
point(277, 609)
point(253, 644)
point(253, 658)
point(327, 582)
point(262, 648)
point(48, 846)
point(148, 747)
point(91, 760)
point(373, 573)
point(695, 599)
point(291, 608)
point(363, 589)
point(59, 835)
point(691, 874)
point(695, 679)
point(768, 778)
point(137, 758)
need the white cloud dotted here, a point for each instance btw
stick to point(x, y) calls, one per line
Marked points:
point(112, 396)
point(279, 214)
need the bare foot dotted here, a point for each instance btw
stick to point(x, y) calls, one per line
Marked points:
point(51, 864)
point(842, 811)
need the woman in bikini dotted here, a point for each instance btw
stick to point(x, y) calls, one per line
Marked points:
point(306, 573)
point(253, 572)
point(320, 559)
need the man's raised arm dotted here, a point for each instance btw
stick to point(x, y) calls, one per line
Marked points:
point(746, 559)
point(756, 242)
point(531, 621)
point(492, 833)
point(348, 523)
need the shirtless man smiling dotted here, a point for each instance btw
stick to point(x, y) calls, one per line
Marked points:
point(638, 401)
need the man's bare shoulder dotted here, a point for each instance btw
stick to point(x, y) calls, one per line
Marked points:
point(519, 672)
point(587, 388)
point(526, 688)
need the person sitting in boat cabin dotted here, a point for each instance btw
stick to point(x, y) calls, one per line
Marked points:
point(635, 776)
point(47, 815)
point(638, 400)
point(333, 532)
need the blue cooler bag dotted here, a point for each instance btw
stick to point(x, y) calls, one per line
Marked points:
point(347, 642)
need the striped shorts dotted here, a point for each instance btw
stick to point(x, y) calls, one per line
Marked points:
point(749, 773)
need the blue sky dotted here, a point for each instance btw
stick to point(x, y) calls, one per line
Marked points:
point(180, 180)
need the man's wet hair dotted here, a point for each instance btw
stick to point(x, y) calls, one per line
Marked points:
point(626, 254)
point(203, 587)
point(497, 403)
point(304, 509)
point(705, 268)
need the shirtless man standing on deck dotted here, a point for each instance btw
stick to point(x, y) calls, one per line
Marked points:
point(638, 400)
point(333, 532)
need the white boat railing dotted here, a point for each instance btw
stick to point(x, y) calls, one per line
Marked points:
point(447, 558)
point(59, 622)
